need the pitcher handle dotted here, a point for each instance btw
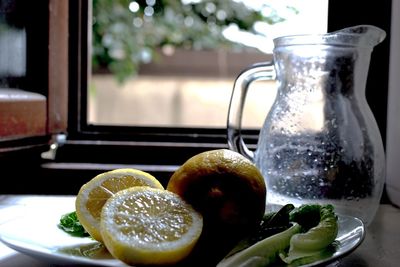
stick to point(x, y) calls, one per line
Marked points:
point(258, 71)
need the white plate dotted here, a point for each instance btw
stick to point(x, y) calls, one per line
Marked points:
point(37, 234)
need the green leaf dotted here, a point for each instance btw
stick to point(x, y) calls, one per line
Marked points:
point(271, 224)
point(313, 244)
point(70, 223)
point(264, 252)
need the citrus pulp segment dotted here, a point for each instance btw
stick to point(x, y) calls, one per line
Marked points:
point(94, 194)
point(143, 225)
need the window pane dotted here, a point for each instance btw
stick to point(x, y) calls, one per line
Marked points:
point(174, 64)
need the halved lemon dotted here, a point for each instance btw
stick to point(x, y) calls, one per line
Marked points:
point(94, 194)
point(143, 225)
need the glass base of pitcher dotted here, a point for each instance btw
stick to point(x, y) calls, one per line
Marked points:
point(363, 209)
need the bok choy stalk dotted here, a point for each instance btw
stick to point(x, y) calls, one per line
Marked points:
point(313, 244)
point(314, 228)
point(263, 252)
point(271, 224)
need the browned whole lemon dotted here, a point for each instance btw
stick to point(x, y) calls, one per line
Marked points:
point(225, 187)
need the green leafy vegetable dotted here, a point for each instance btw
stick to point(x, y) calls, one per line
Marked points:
point(263, 252)
point(271, 224)
point(313, 257)
point(70, 223)
point(279, 218)
point(313, 243)
point(307, 216)
point(310, 238)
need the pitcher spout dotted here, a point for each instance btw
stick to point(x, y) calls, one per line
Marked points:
point(360, 35)
point(356, 36)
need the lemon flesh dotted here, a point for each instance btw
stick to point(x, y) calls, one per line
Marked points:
point(94, 194)
point(143, 225)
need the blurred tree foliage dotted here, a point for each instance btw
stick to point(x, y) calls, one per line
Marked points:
point(128, 33)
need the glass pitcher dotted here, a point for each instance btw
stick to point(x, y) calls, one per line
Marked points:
point(319, 142)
